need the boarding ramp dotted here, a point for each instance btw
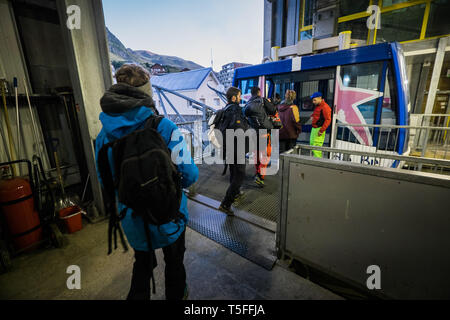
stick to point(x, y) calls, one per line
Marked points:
point(251, 232)
point(342, 217)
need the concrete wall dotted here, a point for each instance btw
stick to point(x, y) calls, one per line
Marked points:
point(12, 62)
point(90, 72)
point(267, 28)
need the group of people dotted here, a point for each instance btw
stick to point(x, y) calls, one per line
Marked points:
point(128, 113)
point(262, 114)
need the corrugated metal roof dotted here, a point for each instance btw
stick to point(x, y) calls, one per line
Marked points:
point(188, 80)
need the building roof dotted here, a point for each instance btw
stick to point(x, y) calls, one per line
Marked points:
point(188, 80)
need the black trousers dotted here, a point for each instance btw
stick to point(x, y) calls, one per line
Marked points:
point(287, 144)
point(175, 273)
point(237, 176)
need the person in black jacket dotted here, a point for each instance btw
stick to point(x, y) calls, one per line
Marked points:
point(233, 118)
point(258, 111)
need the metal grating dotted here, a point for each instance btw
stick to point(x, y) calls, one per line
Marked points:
point(250, 242)
point(261, 202)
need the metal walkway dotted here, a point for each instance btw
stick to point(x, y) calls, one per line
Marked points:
point(262, 203)
point(247, 240)
point(251, 232)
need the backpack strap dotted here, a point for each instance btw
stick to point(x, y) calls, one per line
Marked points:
point(104, 169)
point(153, 121)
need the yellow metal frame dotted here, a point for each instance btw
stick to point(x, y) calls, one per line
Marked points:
point(403, 5)
point(302, 20)
point(426, 15)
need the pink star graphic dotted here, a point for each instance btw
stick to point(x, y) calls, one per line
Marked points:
point(347, 100)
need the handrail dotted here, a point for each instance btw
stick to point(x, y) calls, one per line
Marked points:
point(386, 126)
point(437, 162)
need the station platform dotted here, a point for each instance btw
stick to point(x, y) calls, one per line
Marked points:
point(214, 273)
point(227, 257)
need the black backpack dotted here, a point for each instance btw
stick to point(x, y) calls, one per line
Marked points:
point(230, 117)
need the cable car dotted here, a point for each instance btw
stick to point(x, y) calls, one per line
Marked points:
point(364, 85)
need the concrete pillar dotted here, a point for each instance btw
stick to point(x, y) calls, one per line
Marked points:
point(12, 61)
point(90, 72)
point(292, 24)
point(436, 75)
point(267, 28)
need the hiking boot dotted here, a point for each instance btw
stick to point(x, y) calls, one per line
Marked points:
point(239, 197)
point(259, 181)
point(226, 209)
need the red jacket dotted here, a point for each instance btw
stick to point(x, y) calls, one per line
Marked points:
point(321, 116)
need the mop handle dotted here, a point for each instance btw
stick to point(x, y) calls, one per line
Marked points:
point(33, 122)
point(58, 169)
point(17, 117)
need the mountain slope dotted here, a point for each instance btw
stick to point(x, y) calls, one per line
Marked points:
point(118, 52)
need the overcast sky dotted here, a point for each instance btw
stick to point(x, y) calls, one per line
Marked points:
point(189, 29)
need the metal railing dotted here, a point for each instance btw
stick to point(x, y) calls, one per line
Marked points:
point(422, 141)
point(431, 143)
point(192, 134)
point(378, 159)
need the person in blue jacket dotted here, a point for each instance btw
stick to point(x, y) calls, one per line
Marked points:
point(126, 106)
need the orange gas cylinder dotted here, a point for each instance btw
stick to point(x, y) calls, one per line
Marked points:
point(22, 219)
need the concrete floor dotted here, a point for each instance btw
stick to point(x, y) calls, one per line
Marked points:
point(213, 271)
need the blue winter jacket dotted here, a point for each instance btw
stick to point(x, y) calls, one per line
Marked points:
point(120, 124)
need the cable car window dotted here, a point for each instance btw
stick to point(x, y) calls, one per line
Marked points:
point(363, 76)
point(247, 85)
point(307, 89)
point(389, 107)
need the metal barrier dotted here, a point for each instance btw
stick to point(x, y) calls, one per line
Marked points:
point(366, 225)
point(422, 141)
point(193, 133)
point(429, 142)
point(378, 159)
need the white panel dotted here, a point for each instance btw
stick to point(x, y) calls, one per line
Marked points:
point(296, 64)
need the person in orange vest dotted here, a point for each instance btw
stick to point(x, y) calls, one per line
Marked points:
point(260, 112)
point(321, 119)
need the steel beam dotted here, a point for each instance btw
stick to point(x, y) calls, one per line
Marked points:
point(436, 75)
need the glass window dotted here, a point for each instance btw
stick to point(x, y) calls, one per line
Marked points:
point(387, 3)
point(309, 10)
point(306, 35)
point(247, 85)
point(389, 108)
point(363, 76)
point(358, 28)
point(401, 25)
point(438, 21)
point(386, 138)
point(307, 89)
point(347, 7)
